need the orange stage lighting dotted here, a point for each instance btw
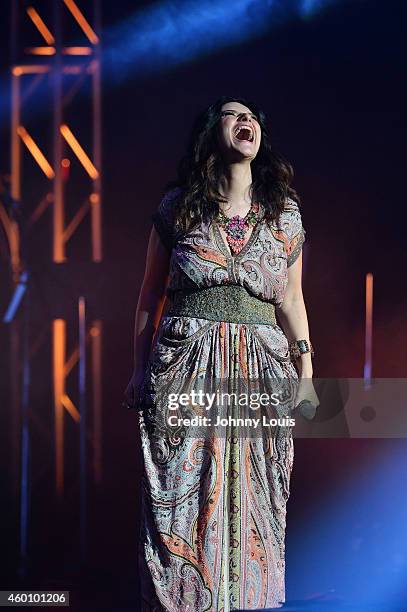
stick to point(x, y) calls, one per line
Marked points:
point(65, 166)
point(96, 365)
point(41, 208)
point(75, 221)
point(40, 25)
point(35, 152)
point(77, 51)
point(79, 152)
point(41, 50)
point(369, 302)
point(82, 22)
point(369, 326)
point(13, 236)
point(71, 408)
point(32, 69)
point(59, 347)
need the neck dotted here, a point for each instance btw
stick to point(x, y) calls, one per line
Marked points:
point(235, 184)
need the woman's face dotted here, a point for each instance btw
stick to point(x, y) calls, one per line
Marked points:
point(239, 132)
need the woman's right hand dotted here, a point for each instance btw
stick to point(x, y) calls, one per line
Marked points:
point(131, 394)
point(307, 400)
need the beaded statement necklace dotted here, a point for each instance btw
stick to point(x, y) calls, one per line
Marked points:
point(237, 227)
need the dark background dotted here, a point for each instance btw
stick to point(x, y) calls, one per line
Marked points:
point(334, 91)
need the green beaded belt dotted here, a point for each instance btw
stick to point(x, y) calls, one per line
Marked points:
point(231, 303)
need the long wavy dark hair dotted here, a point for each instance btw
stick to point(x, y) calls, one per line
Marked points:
point(200, 169)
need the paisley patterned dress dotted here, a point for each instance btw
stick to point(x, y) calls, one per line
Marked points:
point(213, 520)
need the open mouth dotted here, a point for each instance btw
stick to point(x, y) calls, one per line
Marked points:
point(244, 132)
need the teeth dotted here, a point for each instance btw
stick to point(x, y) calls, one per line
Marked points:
point(244, 127)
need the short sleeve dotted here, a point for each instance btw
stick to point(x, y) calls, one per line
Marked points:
point(164, 220)
point(294, 230)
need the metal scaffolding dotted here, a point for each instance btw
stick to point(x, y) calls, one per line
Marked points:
point(64, 77)
point(56, 170)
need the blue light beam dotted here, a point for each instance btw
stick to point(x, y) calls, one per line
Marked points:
point(16, 298)
point(173, 33)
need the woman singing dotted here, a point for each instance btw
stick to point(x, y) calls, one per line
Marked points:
point(226, 251)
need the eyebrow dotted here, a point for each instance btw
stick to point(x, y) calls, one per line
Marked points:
point(229, 110)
